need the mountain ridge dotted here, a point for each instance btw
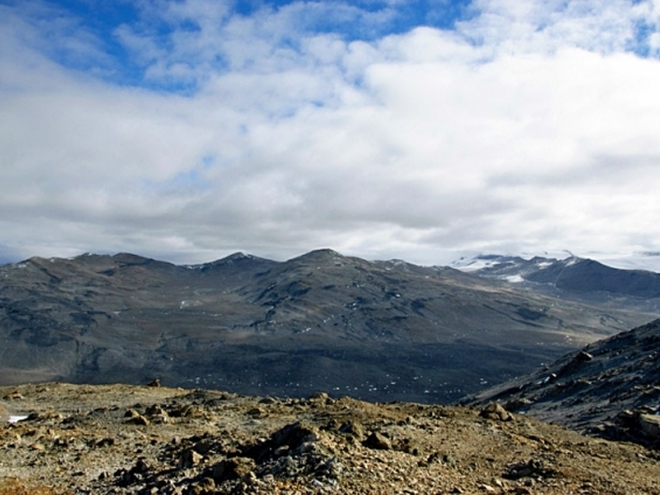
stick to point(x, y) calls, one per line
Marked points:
point(381, 330)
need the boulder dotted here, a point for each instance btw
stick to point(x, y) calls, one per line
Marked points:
point(649, 424)
point(495, 412)
point(378, 441)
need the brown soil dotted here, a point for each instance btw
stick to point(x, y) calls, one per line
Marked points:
point(125, 439)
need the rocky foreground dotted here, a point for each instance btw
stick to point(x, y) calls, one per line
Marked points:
point(126, 439)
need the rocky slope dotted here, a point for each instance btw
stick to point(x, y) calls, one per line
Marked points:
point(322, 321)
point(145, 440)
point(610, 388)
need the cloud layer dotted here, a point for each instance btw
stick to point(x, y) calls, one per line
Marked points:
point(188, 130)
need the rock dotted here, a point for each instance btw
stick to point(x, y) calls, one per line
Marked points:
point(13, 396)
point(378, 441)
point(188, 411)
point(157, 414)
point(231, 469)
point(49, 416)
point(496, 412)
point(256, 412)
point(190, 458)
point(353, 429)
point(154, 383)
point(517, 404)
point(584, 356)
point(320, 398)
point(531, 468)
point(408, 446)
point(649, 425)
point(206, 445)
point(203, 487)
point(575, 363)
point(156, 410)
point(139, 420)
point(292, 436)
point(105, 442)
point(4, 414)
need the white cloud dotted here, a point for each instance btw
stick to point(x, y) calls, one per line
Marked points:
point(532, 126)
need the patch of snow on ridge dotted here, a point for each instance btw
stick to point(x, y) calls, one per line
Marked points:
point(16, 419)
point(474, 264)
point(514, 279)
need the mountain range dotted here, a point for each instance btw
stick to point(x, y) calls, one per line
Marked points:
point(574, 277)
point(377, 330)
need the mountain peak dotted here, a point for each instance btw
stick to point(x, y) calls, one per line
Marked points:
point(319, 255)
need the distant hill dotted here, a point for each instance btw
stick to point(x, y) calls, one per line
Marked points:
point(610, 388)
point(384, 330)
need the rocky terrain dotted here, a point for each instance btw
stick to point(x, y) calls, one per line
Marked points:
point(82, 439)
point(373, 330)
point(610, 388)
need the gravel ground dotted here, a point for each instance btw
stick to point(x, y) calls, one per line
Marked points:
point(121, 439)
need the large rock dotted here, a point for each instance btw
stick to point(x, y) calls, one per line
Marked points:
point(496, 412)
point(650, 425)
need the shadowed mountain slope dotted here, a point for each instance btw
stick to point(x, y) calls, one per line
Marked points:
point(322, 321)
point(609, 388)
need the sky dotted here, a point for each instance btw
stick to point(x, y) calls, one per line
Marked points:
point(186, 130)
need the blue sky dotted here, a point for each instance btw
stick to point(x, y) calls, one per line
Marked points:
point(190, 129)
point(104, 23)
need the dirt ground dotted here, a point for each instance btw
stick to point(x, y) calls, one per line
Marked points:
point(81, 439)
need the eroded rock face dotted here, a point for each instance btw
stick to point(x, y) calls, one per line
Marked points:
point(79, 440)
